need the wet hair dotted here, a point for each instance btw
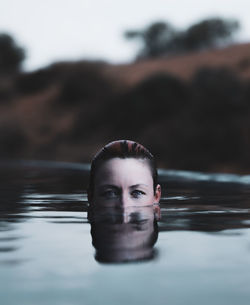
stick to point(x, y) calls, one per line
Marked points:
point(122, 149)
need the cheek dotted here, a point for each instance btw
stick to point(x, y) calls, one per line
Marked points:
point(150, 197)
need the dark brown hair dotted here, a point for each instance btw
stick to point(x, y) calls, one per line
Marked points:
point(122, 149)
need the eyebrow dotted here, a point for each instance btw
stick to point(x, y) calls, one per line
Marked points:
point(108, 185)
point(114, 186)
point(137, 185)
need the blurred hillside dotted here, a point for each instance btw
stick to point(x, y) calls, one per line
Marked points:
point(235, 57)
point(191, 110)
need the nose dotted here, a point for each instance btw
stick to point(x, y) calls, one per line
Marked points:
point(122, 207)
point(126, 215)
point(124, 200)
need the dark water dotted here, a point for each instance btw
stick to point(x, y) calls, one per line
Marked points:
point(202, 255)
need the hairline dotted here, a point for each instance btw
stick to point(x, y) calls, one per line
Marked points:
point(96, 165)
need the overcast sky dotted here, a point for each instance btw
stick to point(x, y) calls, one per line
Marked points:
point(53, 30)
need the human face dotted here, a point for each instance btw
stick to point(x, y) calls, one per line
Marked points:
point(123, 183)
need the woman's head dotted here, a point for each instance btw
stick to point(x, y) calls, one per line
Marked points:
point(123, 170)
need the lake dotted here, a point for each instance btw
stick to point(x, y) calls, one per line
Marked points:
point(201, 256)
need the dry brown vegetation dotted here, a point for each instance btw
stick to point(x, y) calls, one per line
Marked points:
point(192, 110)
point(235, 57)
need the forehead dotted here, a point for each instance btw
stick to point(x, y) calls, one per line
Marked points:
point(130, 170)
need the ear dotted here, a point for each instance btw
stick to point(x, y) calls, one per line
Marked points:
point(157, 194)
point(157, 209)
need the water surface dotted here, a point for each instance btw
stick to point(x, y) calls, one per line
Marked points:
point(46, 253)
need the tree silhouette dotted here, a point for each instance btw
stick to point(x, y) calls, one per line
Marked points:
point(11, 55)
point(209, 33)
point(154, 38)
point(160, 38)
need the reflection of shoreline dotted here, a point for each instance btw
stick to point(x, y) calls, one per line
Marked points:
point(210, 212)
point(30, 186)
point(208, 207)
point(204, 223)
point(120, 237)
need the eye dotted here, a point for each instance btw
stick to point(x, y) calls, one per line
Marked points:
point(110, 194)
point(137, 193)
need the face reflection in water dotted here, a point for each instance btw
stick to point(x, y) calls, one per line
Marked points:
point(124, 211)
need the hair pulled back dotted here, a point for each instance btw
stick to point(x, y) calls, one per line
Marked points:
point(122, 149)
